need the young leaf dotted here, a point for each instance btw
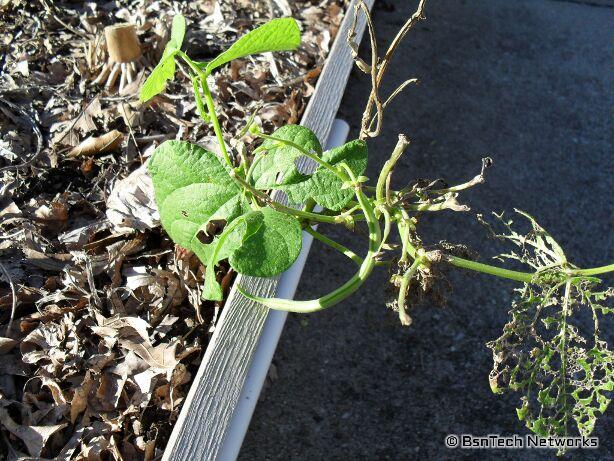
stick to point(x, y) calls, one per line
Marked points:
point(165, 70)
point(192, 188)
point(324, 186)
point(177, 35)
point(277, 164)
point(260, 243)
point(281, 34)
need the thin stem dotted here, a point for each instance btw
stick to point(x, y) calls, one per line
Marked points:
point(338, 219)
point(199, 102)
point(348, 287)
point(248, 176)
point(595, 270)
point(387, 226)
point(478, 179)
point(306, 153)
point(404, 232)
point(337, 246)
point(380, 189)
point(374, 98)
point(202, 77)
point(383, 66)
point(403, 315)
point(440, 206)
point(214, 120)
point(526, 277)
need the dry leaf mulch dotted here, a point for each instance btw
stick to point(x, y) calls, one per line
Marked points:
point(101, 323)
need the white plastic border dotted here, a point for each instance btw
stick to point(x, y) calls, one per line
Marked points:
point(271, 333)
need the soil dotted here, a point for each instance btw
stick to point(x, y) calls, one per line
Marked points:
point(102, 326)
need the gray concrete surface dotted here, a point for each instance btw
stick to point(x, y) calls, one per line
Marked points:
point(527, 82)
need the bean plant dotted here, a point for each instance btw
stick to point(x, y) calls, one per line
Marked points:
point(223, 206)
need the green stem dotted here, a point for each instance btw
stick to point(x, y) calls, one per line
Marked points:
point(526, 277)
point(348, 287)
point(306, 153)
point(595, 270)
point(199, 102)
point(338, 219)
point(337, 246)
point(202, 77)
point(380, 188)
point(403, 225)
point(248, 176)
point(387, 226)
point(214, 120)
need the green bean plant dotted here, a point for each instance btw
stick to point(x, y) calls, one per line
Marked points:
point(222, 206)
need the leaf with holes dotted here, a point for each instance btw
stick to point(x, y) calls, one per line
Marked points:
point(192, 188)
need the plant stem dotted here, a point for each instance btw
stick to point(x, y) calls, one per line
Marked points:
point(199, 102)
point(403, 316)
point(526, 277)
point(202, 77)
point(214, 119)
point(337, 246)
point(595, 270)
point(306, 153)
point(348, 287)
point(286, 209)
point(387, 226)
point(380, 189)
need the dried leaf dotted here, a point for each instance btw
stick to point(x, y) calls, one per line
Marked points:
point(131, 205)
point(98, 145)
point(34, 437)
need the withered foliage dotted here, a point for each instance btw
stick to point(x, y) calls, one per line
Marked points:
point(101, 323)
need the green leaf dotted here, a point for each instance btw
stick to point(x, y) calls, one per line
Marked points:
point(165, 70)
point(324, 186)
point(260, 243)
point(277, 164)
point(230, 240)
point(177, 35)
point(192, 187)
point(272, 249)
point(281, 34)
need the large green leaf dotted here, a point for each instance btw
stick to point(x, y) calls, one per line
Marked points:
point(281, 34)
point(276, 165)
point(165, 70)
point(272, 248)
point(260, 243)
point(324, 186)
point(192, 187)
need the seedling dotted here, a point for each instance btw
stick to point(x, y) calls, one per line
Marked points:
point(221, 208)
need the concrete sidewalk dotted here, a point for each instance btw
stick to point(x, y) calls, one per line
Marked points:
point(528, 83)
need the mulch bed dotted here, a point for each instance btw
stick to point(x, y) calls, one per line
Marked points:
point(101, 323)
